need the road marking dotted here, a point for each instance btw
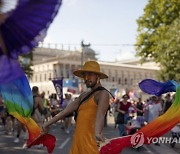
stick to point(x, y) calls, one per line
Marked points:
point(64, 143)
point(147, 149)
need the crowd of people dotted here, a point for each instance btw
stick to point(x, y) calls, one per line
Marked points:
point(132, 113)
point(129, 109)
point(129, 114)
point(43, 110)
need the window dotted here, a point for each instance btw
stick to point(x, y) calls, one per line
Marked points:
point(40, 78)
point(131, 81)
point(67, 73)
point(49, 75)
point(113, 79)
point(125, 81)
point(45, 77)
point(119, 81)
point(35, 78)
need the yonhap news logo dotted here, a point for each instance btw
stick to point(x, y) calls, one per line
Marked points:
point(138, 139)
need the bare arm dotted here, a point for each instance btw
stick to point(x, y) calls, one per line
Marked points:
point(103, 105)
point(69, 109)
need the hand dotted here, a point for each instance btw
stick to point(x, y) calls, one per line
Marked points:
point(45, 129)
point(99, 138)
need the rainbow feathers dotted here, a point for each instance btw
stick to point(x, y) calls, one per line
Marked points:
point(154, 87)
point(21, 29)
point(157, 127)
point(19, 103)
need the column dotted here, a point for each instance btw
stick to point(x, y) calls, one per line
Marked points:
point(64, 71)
point(57, 70)
point(70, 71)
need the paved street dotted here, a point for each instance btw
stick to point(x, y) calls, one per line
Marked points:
point(63, 143)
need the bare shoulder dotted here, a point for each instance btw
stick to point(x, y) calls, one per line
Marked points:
point(101, 96)
point(103, 93)
point(84, 94)
point(81, 96)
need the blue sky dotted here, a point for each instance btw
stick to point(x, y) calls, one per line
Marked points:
point(109, 25)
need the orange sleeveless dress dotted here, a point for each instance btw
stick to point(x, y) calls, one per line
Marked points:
point(84, 140)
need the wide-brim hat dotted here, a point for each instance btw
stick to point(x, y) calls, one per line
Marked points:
point(90, 66)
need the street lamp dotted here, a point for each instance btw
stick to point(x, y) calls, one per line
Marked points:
point(83, 46)
point(82, 50)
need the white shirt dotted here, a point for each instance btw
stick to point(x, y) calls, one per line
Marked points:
point(154, 111)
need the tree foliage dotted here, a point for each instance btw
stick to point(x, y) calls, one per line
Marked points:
point(159, 36)
point(26, 63)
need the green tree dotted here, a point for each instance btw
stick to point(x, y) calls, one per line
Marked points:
point(170, 49)
point(158, 38)
point(26, 63)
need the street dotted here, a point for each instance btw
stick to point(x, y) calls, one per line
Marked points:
point(63, 143)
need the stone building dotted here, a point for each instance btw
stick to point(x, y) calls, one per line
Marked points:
point(55, 63)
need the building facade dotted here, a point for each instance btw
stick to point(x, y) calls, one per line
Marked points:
point(56, 63)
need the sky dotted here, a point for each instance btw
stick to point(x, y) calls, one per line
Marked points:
point(108, 25)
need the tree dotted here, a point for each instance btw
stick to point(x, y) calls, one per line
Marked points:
point(170, 47)
point(26, 63)
point(159, 36)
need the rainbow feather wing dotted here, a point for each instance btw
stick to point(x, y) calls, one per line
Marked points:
point(9, 69)
point(156, 128)
point(154, 87)
point(27, 24)
point(18, 97)
point(21, 28)
point(17, 94)
point(19, 102)
point(47, 140)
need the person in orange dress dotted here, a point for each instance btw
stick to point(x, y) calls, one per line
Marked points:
point(91, 112)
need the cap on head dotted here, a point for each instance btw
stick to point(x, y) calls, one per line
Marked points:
point(90, 66)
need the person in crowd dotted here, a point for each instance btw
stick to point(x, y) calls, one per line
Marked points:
point(20, 127)
point(122, 117)
point(115, 111)
point(39, 112)
point(90, 117)
point(140, 107)
point(154, 109)
point(168, 102)
point(2, 111)
point(38, 108)
point(7, 119)
point(67, 120)
point(55, 106)
point(46, 106)
point(9, 123)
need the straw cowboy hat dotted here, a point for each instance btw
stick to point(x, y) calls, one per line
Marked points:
point(90, 66)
